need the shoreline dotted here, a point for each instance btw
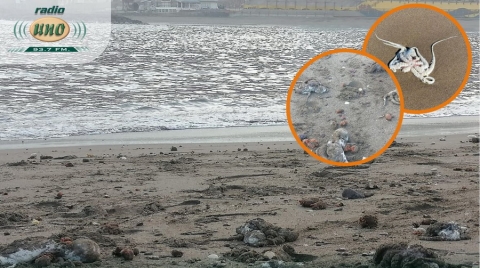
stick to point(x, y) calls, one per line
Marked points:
point(320, 21)
point(411, 127)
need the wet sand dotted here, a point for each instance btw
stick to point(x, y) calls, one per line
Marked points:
point(194, 198)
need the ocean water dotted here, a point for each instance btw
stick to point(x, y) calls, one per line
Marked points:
point(160, 77)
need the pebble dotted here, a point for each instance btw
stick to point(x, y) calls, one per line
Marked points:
point(213, 257)
point(442, 139)
point(341, 249)
point(127, 254)
point(156, 258)
point(269, 255)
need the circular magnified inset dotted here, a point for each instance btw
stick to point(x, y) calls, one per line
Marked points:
point(344, 107)
point(427, 49)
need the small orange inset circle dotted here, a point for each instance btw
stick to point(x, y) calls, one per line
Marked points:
point(344, 107)
point(438, 38)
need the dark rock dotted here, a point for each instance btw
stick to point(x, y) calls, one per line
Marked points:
point(116, 19)
point(177, 253)
point(352, 194)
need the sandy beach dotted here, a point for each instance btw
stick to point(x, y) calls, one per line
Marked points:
point(192, 199)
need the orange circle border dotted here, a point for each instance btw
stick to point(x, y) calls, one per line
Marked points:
point(462, 32)
point(292, 87)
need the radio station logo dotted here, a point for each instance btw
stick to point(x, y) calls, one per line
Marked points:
point(49, 29)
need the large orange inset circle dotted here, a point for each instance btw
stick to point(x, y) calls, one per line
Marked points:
point(375, 98)
point(420, 25)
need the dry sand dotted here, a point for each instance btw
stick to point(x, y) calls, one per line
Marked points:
point(420, 27)
point(344, 74)
point(225, 186)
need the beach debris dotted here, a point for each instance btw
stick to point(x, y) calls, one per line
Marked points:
point(45, 157)
point(69, 164)
point(368, 221)
point(42, 252)
point(473, 138)
point(285, 253)
point(335, 152)
point(401, 255)
point(173, 149)
point(339, 111)
point(303, 136)
point(410, 60)
point(258, 232)
point(244, 255)
point(371, 186)
point(20, 163)
point(313, 202)
point(351, 148)
point(340, 136)
point(441, 231)
point(24, 251)
point(84, 250)
point(311, 143)
point(343, 123)
point(334, 149)
point(419, 231)
point(311, 86)
point(126, 252)
point(392, 96)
